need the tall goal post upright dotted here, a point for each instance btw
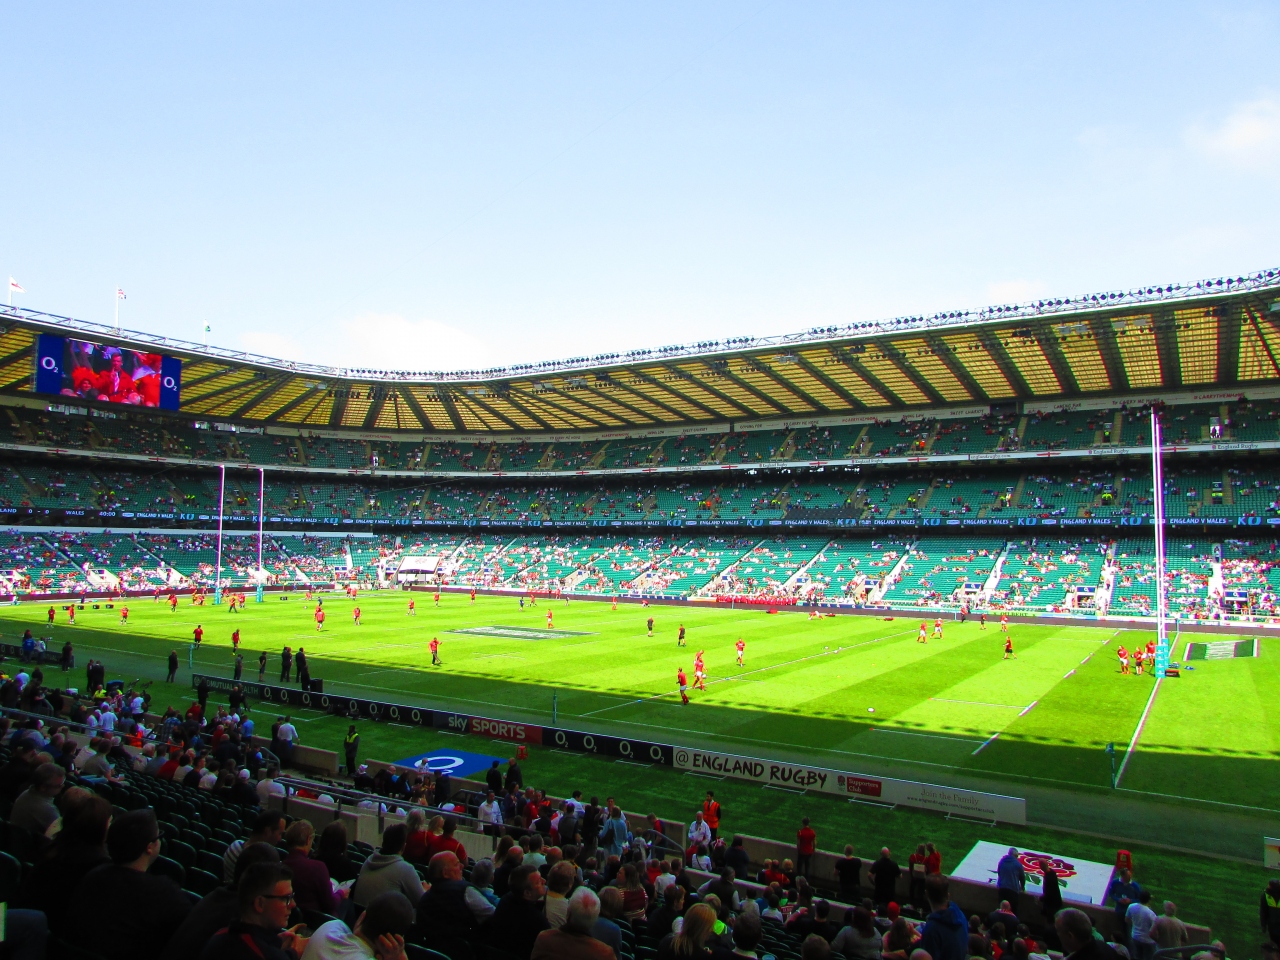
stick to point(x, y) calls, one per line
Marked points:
point(222, 499)
point(262, 499)
point(1157, 498)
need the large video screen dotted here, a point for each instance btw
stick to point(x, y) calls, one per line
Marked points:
point(94, 371)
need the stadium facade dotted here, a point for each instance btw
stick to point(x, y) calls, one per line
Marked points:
point(1004, 424)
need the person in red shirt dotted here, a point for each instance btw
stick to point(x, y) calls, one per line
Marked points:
point(932, 859)
point(198, 634)
point(1004, 622)
point(1123, 655)
point(412, 610)
point(117, 385)
point(355, 616)
point(683, 681)
point(806, 843)
point(548, 618)
point(170, 766)
point(741, 647)
point(1008, 648)
point(52, 613)
point(124, 615)
point(447, 842)
point(71, 614)
point(319, 619)
point(923, 635)
point(435, 651)
point(937, 628)
point(473, 600)
point(437, 598)
point(1137, 660)
point(699, 672)
point(235, 641)
point(711, 813)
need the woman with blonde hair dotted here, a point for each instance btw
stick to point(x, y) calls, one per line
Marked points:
point(417, 847)
point(698, 928)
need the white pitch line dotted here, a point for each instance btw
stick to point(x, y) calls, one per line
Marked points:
point(931, 736)
point(986, 743)
point(740, 676)
point(1137, 731)
point(1027, 708)
point(979, 703)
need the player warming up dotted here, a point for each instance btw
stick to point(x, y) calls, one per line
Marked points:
point(1008, 648)
point(683, 681)
point(548, 618)
point(355, 616)
point(235, 641)
point(680, 642)
point(1123, 655)
point(937, 628)
point(741, 647)
point(1004, 623)
point(197, 635)
point(52, 613)
point(650, 622)
point(124, 616)
point(173, 603)
point(413, 610)
point(435, 652)
point(923, 635)
point(319, 618)
point(699, 672)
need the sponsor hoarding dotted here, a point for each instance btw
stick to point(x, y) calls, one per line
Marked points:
point(907, 793)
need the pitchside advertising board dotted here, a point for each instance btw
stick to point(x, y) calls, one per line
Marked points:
point(907, 793)
point(1083, 881)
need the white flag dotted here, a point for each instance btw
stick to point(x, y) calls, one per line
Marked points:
point(120, 294)
point(15, 286)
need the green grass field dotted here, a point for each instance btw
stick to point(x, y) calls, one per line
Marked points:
point(1201, 784)
point(806, 692)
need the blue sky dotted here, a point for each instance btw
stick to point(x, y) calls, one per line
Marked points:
point(442, 186)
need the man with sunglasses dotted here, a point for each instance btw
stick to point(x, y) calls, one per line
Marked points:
point(261, 933)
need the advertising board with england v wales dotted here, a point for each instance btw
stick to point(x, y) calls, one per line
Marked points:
point(907, 793)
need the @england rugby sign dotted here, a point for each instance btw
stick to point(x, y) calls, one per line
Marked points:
point(907, 793)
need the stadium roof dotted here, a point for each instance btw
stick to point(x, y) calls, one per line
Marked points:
point(1216, 333)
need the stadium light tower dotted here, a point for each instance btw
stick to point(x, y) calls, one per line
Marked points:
point(1157, 485)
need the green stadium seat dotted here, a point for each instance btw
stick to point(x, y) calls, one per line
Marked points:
point(165, 867)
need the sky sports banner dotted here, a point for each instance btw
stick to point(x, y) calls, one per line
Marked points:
point(907, 793)
point(84, 370)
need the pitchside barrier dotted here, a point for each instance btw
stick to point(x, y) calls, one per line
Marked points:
point(773, 773)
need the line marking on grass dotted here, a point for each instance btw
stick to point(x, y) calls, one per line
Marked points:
point(1068, 673)
point(1137, 731)
point(1027, 708)
point(931, 736)
point(979, 703)
point(741, 676)
point(985, 743)
point(770, 786)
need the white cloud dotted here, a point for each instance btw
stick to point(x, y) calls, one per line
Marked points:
point(1013, 291)
point(383, 341)
point(1248, 137)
